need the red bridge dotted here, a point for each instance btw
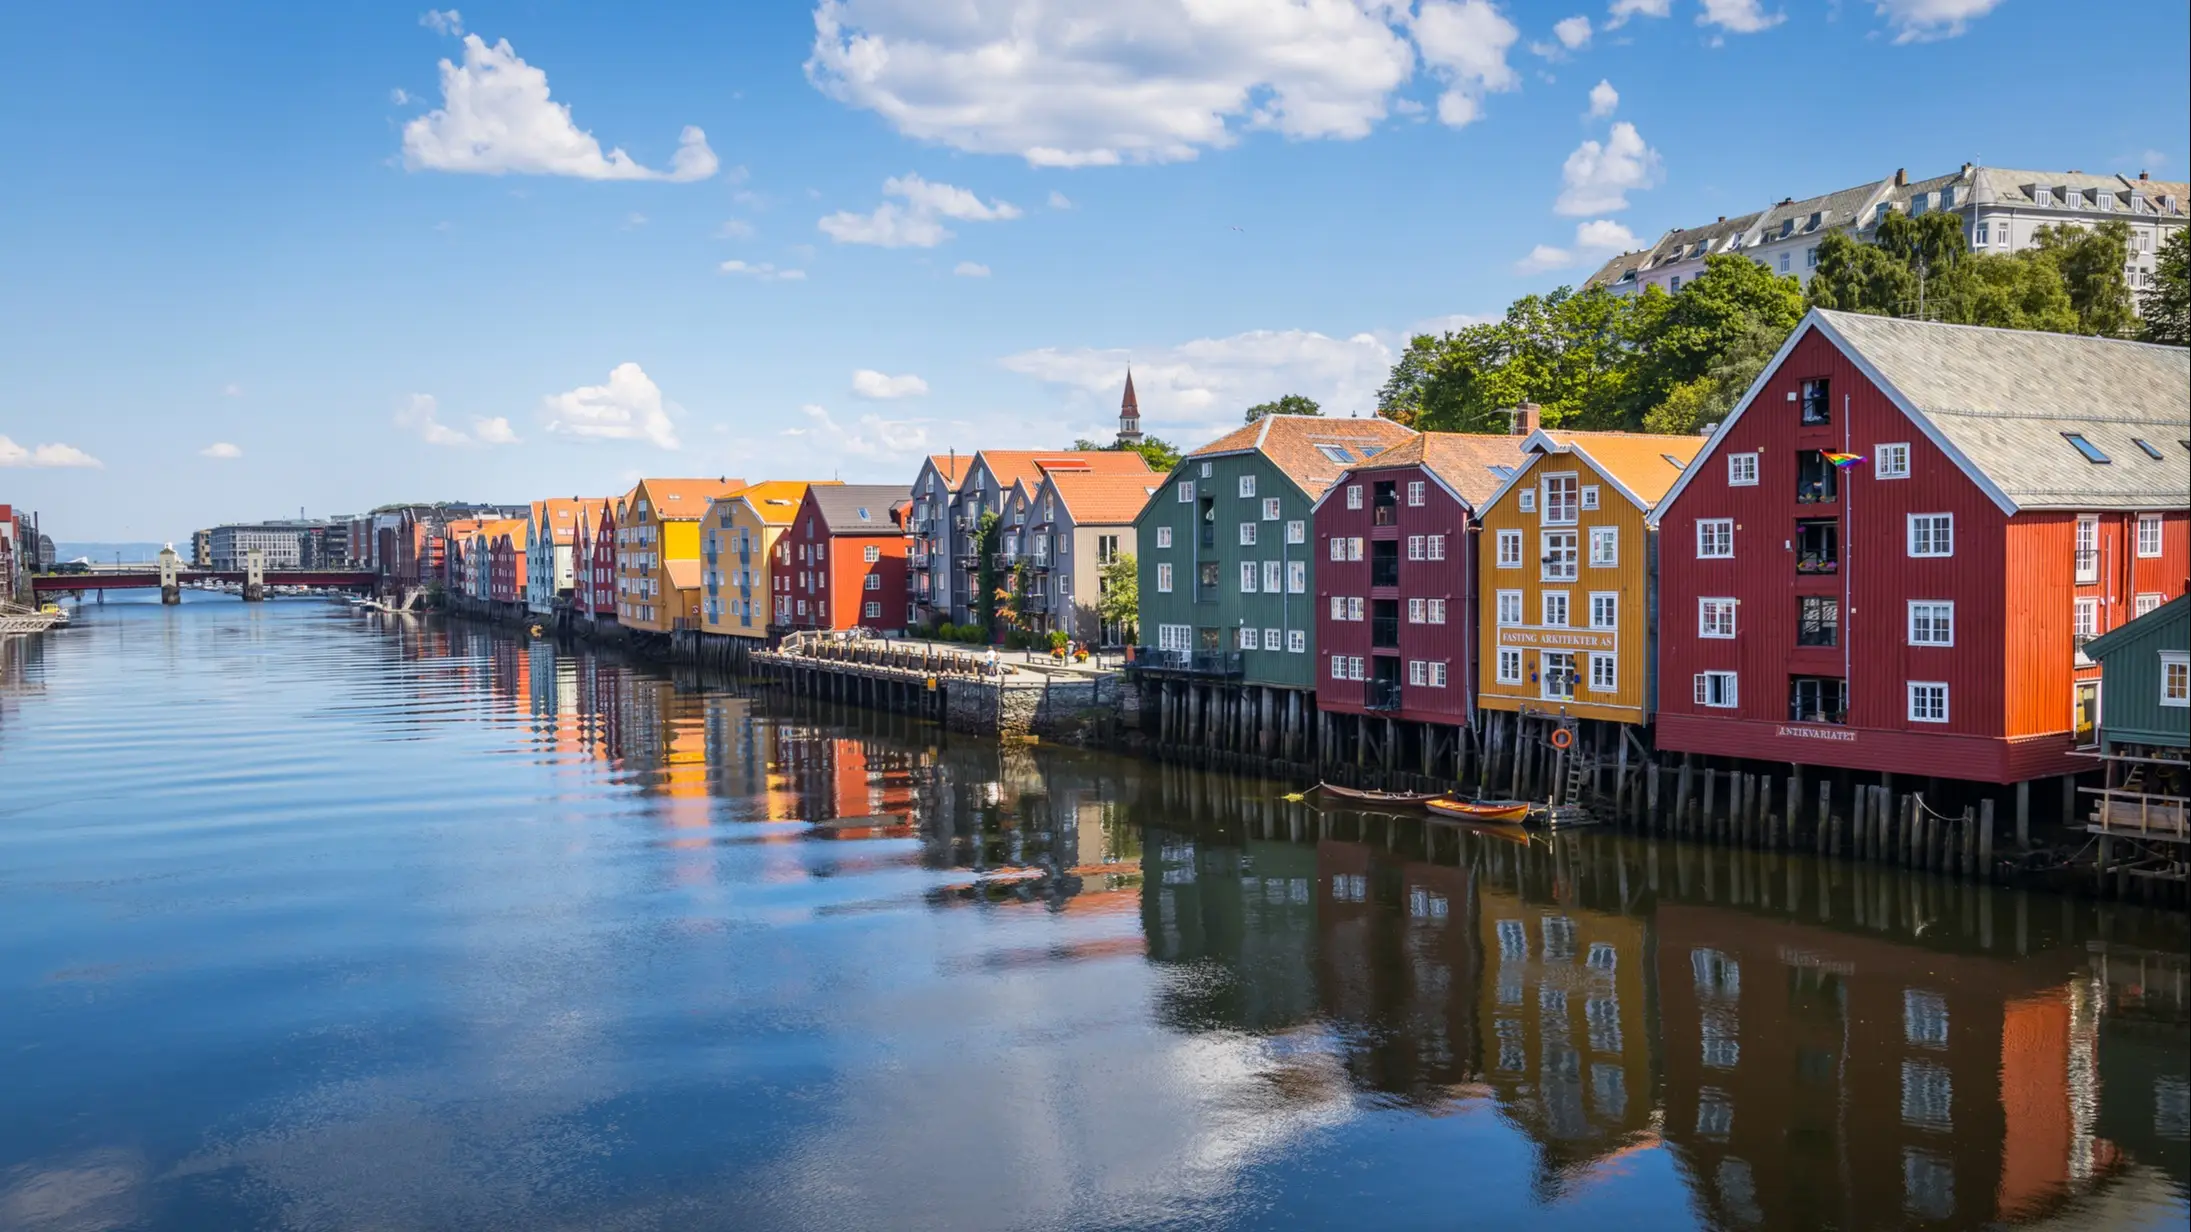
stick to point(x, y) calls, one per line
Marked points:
point(332, 579)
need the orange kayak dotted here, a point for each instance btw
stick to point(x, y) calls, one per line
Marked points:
point(1506, 812)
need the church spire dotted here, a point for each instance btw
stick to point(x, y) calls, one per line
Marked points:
point(1129, 415)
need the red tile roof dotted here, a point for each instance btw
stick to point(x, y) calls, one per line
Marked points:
point(1011, 466)
point(1104, 500)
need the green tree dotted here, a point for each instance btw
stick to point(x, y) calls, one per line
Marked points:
point(1161, 455)
point(2019, 291)
point(1572, 353)
point(2166, 304)
point(1857, 277)
point(1290, 404)
point(988, 534)
point(1708, 399)
point(1734, 303)
point(2091, 261)
point(1930, 245)
point(1118, 595)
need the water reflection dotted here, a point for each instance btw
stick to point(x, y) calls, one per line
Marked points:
point(659, 948)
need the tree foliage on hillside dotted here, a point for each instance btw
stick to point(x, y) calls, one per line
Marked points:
point(2070, 282)
point(1161, 455)
point(1290, 404)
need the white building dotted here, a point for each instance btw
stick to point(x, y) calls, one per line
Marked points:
point(2001, 211)
point(280, 544)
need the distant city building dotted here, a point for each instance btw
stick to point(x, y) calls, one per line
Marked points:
point(2001, 211)
point(281, 545)
point(201, 549)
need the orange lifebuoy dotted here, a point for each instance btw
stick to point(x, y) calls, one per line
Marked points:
point(1562, 738)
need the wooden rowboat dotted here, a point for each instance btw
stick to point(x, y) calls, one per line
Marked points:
point(1376, 797)
point(1503, 812)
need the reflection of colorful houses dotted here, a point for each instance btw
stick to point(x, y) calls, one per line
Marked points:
point(1881, 1092)
point(1250, 909)
point(1566, 1029)
point(2144, 1074)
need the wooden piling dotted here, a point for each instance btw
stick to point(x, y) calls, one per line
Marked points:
point(1985, 839)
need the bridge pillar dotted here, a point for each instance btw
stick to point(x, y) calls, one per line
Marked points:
point(171, 586)
point(254, 577)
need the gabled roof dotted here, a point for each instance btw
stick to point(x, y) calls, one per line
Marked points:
point(951, 467)
point(685, 500)
point(2001, 403)
point(684, 574)
point(1295, 444)
point(775, 502)
point(1103, 500)
point(1641, 466)
point(514, 528)
point(558, 516)
point(1471, 466)
point(858, 508)
point(1010, 466)
point(2153, 623)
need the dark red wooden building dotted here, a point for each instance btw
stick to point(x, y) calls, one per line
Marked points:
point(846, 562)
point(1396, 577)
point(1920, 611)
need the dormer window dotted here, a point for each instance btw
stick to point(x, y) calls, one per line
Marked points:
point(1917, 205)
point(2040, 196)
point(2071, 197)
point(2168, 203)
point(1880, 215)
point(1817, 217)
point(1947, 198)
point(1787, 227)
point(2137, 203)
point(2105, 200)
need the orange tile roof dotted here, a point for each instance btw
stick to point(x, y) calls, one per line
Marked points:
point(1290, 442)
point(685, 500)
point(559, 515)
point(1103, 500)
point(1011, 466)
point(462, 528)
point(1636, 461)
point(683, 574)
point(513, 527)
point(952, 467)
point(1464, 460)
point(776, 501)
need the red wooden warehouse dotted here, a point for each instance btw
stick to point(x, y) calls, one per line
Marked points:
point(1396, 577)
point(1889, 555)
point(842, 563)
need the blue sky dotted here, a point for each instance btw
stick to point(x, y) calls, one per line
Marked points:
point(260, 257)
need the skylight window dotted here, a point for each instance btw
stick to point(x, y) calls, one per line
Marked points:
point(1503, 472)
point(1335, 453)
point(2147, 446)
point(1371, 451)
point(2090, 451)
point(862, 511)
point(1674, 462)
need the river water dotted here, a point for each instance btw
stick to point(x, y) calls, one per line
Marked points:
point(311, 918)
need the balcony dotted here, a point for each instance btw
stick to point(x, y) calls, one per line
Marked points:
point(1817, 621)
point(1817, 546)
point(1040, 560)
point(1384, 562)
point(1189, 662)
point(2088, 566)
point(917, 560)
point(1381, 695)
point(1817, 481)
point(1384, 624)
point(1818, 699)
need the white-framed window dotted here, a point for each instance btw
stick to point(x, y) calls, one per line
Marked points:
point(1164, 577)
point(870, 554)
point(1247, 577)
point(1247, 534)
point(1980, 236)
point(873, 581)
point(1175, 637)
point(1932, 622)
point(1437, 674)
point(1249, 639)
point(1528, 499)
point(1932, 534)
point(1810, 257)
point(1354, 548)
point(1715, 538)
point(1354, 607)
point(1338, 547)
point(1436, 545)
point(1163, 536)
point(1604, 547)
point(1185, 488)
point(1297, 641)
point(1354, 496)
point(1434, 611)
point(1589, 497)
point(1783, 263)
point(1414, 547)
point(873, 611)
point(1510, 549)
point(2149, 534)
point(1555, 609)
point(1715, 618)
point(2143, 604)
point(1415, 611)
point(1274, 576)
point(1247, 485)
point(1560, 499)
point(1270, 639)
point(1510, 667)
point(1559, 556)
point(1208, 469)
point(1510, 607)
point(2175, 678)
point(1742, 470)
point(1297, 577)
point(1891, 461)
point(1338, 607)
point(1297, 531)
point(1415, 492)
point(1338, 667)
point(1716, 689)
point(1604, 609)
point(1417, 672)
point(1928, 701)
point(1604, 673)
point(2085, 620)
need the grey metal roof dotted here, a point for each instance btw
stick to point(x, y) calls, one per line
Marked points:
point(858, 508)
point(2004, 398)
point(1841, 208)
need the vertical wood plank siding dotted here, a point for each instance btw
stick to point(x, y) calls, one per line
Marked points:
point(1449, 580)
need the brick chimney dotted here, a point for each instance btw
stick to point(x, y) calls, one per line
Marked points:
point(2144, 175)
point(1901, 177)
point(1525, 418)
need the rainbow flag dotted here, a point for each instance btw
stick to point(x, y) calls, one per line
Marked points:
point(1843, 460)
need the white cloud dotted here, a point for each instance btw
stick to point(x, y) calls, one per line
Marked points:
point(1449, 323)
point(1622, 10)
point(1597, 178)
point(495, 431)
point(917, 223)
point(872, 437)
point(400, 97)
point(1059, 201)
point(496, 117)
point(1466, 43)
point(1597, 238)
point(1922, 21)
point(1544, 257)
point(970, 269)
point(629, 407)
point(220, 449)
point(762, 271)
point(879, 386)
point(1573, 33)
point(1106, 83)
point(1739, 16)
point(734, 229)
point(443, 21)
point(1603, 100)
point(56, 456)
point(422, 414)
point(1196, 389)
